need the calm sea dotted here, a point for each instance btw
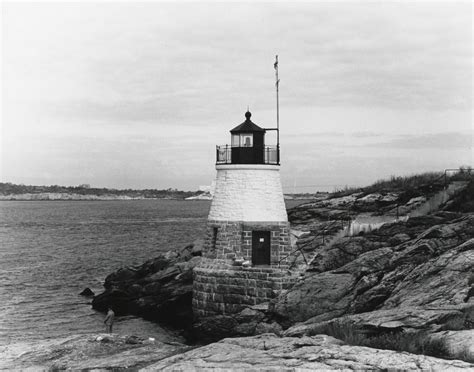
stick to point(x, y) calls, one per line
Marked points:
point(51, 250)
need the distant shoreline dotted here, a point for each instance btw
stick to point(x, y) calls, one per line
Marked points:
point(13, 192)
point(72, 197)
point(90, 197)
point(10, 191)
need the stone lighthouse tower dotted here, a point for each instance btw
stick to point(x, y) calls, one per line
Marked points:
point(248, 217)
point(247, 245)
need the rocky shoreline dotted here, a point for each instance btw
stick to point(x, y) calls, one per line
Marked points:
point(159, 290)
point(406, 285)
point(379, 299)
point(412, 278)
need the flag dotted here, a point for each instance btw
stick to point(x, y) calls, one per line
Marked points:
point(275, 65)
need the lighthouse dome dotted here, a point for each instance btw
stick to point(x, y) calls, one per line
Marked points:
point(247, 126)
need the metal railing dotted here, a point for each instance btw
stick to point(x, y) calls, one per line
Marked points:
point(271, 154)
point(223, 154)
point(462, 173)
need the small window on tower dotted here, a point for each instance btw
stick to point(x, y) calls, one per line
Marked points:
point(214, 238)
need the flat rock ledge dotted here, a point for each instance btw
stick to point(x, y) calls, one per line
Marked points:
point(270, 353)
point(98, 352)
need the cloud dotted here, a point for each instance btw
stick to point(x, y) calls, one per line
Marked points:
point(439, 141)
point(408, 58)
point(171, 75)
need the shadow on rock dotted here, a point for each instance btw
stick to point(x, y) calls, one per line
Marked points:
point(159, 290)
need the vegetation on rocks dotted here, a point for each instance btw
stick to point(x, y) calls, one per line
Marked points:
point(417, 183)
point(415, 342)
point(464, 201)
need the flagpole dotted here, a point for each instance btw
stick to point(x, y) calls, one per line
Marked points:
point(277, 84)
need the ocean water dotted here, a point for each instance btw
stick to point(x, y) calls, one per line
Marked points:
point(51, 250)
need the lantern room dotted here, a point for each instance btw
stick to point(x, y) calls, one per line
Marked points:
point(248, 146)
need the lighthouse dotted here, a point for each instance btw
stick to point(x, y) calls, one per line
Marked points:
point(247, 219)
point(245, 256)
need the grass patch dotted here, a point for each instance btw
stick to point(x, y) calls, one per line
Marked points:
point(400, 184)
point(464, 201)
point(412, 342)
point(414, 185)
point(457, 323)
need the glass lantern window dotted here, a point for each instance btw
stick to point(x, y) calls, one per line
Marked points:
point(246, 140)
point(242, 140)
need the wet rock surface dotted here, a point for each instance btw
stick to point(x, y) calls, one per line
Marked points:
point(87, 292)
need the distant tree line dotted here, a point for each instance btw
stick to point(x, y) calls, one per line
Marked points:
point(10, 188)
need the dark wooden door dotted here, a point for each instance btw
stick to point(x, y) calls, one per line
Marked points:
point(261, 247)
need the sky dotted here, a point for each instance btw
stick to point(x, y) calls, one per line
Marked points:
point(137, 95)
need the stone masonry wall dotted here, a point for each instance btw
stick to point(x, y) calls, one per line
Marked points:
point(229, 240)
point(219, 288)
point(279, 237)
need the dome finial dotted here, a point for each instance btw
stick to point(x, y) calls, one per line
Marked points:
point(248, 114)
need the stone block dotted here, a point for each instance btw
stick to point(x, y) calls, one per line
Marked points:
point(276, 274)
point(198, 286)
point(261, 276)
point(221, 274)
point(221, 288)
point(248, 300)
point(264, 284)
point(233, 308)
point(234, 289)
point(251, 291)
point(204, 296)
point(277, 286)
point(264, 293)
point(241, 274)
point(199, 304)
point(233, 299)
point(213, 306)
point(198, 296)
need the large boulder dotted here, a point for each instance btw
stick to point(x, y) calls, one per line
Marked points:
point(419, 287)
point(431, 271)
point(459, 344)
point(87, 292)
point(250, 321)
point(326, 296)
point(159, 290)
